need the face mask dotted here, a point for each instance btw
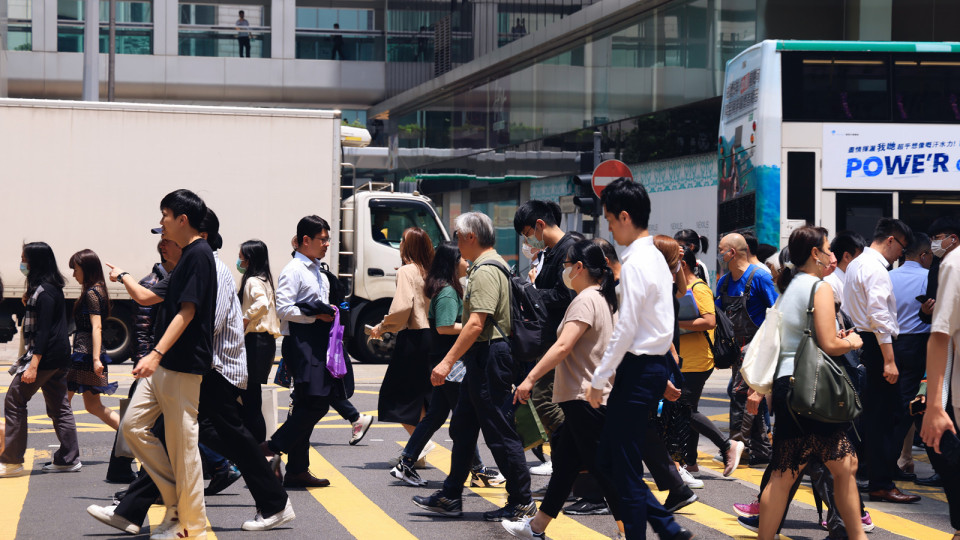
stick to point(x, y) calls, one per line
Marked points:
point(527, 251)
point(463, 282)
point(721, 264)
point(534, 243)
point(240, 268)
point(938, 248)
point(567, 280)
point(24, 269)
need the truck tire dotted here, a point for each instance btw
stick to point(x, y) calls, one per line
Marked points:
point(372, 351)
point(119, 333)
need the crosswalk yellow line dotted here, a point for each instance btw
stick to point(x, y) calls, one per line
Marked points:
point(358, 514)
point(562, 527)
point(13, 493)
point(888, 522)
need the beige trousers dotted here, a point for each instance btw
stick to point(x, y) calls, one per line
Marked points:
point(179, 475)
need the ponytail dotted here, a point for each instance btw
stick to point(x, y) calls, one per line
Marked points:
point(608, 288)
point(704, 244)
point(595, 263)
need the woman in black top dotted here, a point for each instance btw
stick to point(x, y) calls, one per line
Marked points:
point(88, 366)
point(44, 365)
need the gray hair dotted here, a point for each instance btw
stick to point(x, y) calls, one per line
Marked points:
point(479, 224)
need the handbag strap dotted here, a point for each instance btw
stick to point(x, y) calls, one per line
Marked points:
point(810, 330)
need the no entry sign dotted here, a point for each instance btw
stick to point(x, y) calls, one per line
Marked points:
point(607, 172)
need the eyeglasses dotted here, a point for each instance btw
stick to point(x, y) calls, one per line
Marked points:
point(570, 262)
point(323, 240)
point(902, 245)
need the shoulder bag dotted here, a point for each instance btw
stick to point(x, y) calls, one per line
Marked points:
point(761, 359)
point(820, 389)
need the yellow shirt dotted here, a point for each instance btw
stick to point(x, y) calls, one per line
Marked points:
point(694, 348)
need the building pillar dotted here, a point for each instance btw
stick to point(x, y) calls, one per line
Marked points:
point(45, 21)
point(283, 24)
point(876, 20)
point(484, 27)
point(166, 27)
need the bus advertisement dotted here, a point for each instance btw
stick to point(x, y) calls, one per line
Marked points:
point(838, 134)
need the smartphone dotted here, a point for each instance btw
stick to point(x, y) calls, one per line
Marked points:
point(367, 329)
point(922, 298)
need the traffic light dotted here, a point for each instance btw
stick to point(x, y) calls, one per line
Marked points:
point(585, 198)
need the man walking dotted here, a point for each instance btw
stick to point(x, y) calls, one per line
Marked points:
point(491, 369)
point(868, 299)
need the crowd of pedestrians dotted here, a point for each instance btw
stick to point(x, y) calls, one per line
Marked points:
point(613, 341)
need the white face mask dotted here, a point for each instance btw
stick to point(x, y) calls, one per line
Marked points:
point(938, 248)
point(567, 279)
point(527, 251)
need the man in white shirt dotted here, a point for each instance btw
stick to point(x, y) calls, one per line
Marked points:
point(639, 354)
point(847, 246)
point(944, 332)
point(869, 301)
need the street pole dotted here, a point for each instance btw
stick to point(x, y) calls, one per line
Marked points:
point(112, 52)
point(91, 50)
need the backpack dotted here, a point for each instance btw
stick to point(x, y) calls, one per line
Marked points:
point(726, 347)
point(528, 317)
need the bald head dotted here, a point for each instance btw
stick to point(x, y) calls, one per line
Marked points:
point(734, 241)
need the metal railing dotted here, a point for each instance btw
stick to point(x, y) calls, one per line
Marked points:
point(222, 40)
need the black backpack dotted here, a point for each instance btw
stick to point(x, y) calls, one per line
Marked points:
point(726, 352)
point(528, 317)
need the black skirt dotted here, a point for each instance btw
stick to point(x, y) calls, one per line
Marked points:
point(796, 439)
point(406, 387)
point(261, 351)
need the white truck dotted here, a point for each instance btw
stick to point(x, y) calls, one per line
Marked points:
point(82, 175)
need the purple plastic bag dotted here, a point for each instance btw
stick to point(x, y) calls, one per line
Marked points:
point(336, 359)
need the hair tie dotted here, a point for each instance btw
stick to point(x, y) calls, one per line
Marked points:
point(789, 266)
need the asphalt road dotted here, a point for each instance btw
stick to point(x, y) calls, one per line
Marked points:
point(365, 502)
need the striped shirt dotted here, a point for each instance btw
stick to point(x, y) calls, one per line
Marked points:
point(229, 352)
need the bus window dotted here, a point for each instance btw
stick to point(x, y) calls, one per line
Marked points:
point(920, 209)
point(801, 185)
point(833, 88)
point(861, 211)
point(926, 89)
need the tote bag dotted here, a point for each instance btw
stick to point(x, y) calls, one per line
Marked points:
point(760, 362)
point(336, 360)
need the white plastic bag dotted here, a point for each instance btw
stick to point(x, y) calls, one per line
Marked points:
point(760, 360)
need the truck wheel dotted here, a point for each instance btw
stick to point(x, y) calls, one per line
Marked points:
point(119, 337)
point(372, 351)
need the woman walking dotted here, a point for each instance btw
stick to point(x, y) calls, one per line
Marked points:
point(43, 365)
point(445, 292)
point(582, 337)
point(406, 386)
point(796, 440)
point(261, 324)
point(88, 363)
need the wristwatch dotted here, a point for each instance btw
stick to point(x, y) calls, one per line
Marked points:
point(120, 277)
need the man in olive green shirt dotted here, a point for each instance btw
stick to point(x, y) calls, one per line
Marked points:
point(485, 348)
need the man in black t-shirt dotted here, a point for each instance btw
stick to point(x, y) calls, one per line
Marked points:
point(173, 370)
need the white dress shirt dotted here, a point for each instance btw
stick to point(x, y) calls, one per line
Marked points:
point(909, 282)
point(645, 324)
point(946, 320)
point(229, 351)
point(300, 281)
point(868, 296)
point(836, 279)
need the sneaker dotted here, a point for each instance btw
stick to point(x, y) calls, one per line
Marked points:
point(731, 457)
point(512, 512)
point(52, 467)
point(747, 510)
point(678, 498)
point(177, 534)
point(407, 474)
point(583, 507)
point(11, 469)
point(693, 469)
point(105, 515)
point(752, 524)
point(486, 477)
point(221, 480)
point(260, 523)
point(360, 428)
point(543, 469)
point(170, 521)
point(868, 525)
point(521, 529)
point(440, 504)
point(689, 480)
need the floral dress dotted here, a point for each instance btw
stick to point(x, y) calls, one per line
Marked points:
point(81, 376)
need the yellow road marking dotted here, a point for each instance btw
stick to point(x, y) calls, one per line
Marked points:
point(358, 514)
point(155, 516)
point(562, 527)
point(889, 522)
point(724, 400)
point(12, 496)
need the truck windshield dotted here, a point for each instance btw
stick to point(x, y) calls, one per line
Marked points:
point(389, 218)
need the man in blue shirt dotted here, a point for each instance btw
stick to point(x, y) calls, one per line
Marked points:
point(910, 347)
point(744, 294)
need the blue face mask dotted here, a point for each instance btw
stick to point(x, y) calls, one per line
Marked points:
point(533, 242)
point(24, 269)
point(240, 268)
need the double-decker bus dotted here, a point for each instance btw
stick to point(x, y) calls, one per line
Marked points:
point(838, 134)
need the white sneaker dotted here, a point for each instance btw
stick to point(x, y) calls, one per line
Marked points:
point(171, 520)
point(543, 469)
point(521, 529)
point(53, 467)
point(9, 470)
point(360, 428)
point(689, 480)
point(260, 523)
point(427, 448)
point(105, 515)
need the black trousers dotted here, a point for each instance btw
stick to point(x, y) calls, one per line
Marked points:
point(639, 384)
point(883, 411)
point(487, 406)
point(693, 383)
point(574, 449)
point(222, 429)
point(261, 349)
point(119, 466)
point(244, 42)
point(293, 437)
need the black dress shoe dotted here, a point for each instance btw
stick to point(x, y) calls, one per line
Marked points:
point(904, 476)
point(684, 534)
point(933, 480)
